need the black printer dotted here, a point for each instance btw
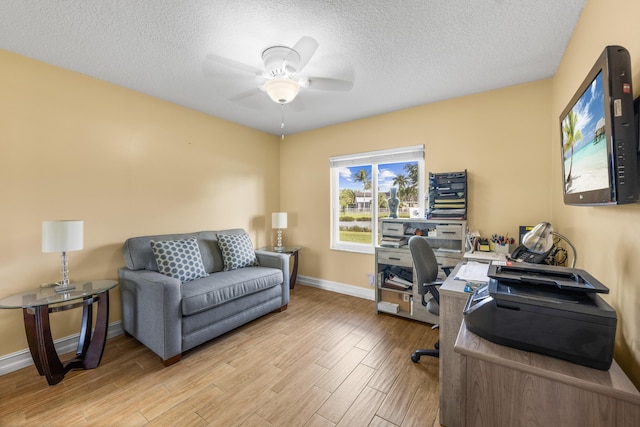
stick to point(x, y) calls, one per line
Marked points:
point(545, 309)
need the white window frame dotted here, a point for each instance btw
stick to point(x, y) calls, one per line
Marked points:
point(374, 158)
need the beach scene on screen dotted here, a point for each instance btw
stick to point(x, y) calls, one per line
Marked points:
point(584, 142)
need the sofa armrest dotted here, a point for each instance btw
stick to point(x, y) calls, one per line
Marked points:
point(281, 262)
point(151, 310)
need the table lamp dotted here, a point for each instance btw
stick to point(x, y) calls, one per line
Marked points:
point(62, 236)
point(279, 221)
point(540, 239)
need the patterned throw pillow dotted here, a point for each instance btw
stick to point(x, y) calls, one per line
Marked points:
point(180, 259)
point(237, 251)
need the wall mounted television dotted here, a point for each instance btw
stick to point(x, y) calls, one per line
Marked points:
point(599, 135)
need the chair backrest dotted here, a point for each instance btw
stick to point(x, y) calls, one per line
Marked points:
point(426, 265)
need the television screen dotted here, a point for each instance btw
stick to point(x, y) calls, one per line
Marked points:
point(598, 136)
point(584, 142)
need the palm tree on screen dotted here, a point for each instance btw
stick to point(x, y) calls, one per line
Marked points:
point(572, 136)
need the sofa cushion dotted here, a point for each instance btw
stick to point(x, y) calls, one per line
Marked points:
point(226, 286)
point(237, 251)
point(139, 256)
point(179, 259)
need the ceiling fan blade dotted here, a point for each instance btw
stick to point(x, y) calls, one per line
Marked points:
point(246, 94)
point(252, 98)
point(305, 47)
point(323, 83)
point(233, 64)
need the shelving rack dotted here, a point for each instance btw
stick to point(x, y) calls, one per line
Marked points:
point(447, 195)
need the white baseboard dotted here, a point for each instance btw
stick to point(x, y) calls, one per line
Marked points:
point(341, 288)
point(22, 358)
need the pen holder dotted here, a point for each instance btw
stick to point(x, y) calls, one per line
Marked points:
point(502, 249)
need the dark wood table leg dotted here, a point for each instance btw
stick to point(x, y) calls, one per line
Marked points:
point(294, 272)
point(93, 355)
point(43, 351)
point(32, 337)
point(90, 347)
point(85, 331)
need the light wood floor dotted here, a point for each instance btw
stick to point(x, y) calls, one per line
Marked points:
point(328, 360)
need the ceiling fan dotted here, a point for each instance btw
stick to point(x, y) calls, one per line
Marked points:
point(281, 77)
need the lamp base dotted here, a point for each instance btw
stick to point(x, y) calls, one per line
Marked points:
point(64, 285)
point(279, 246)
point(61, 289)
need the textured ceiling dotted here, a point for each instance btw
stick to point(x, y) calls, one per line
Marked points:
point(397, 53)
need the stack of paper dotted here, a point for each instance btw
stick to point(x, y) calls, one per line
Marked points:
point(393, 242)
point(473, 271)
point(397, 282)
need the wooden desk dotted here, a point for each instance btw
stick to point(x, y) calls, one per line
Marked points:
point(452, 365)
point(504, 386)
point(484, 256)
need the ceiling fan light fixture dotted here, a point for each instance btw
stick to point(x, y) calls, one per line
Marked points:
point(282, 90)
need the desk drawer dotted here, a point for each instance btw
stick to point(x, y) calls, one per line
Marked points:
point(395, 229)
point(401, 258)
point(446, 260)
point(449, 231)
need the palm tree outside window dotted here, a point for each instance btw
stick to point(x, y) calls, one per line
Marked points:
point(360, 188)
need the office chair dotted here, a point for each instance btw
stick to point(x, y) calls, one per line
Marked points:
point(424, 261)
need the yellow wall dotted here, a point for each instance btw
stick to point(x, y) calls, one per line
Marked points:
point(72, 147)
point(607, 238)
point(497, 136)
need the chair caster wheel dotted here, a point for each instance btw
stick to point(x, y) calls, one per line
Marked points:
point(415, 358)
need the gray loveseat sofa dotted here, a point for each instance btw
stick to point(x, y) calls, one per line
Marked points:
point(170, 317)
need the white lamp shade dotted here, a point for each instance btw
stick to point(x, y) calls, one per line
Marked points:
point(282, 90)
point(62, 236)
point(279, 220)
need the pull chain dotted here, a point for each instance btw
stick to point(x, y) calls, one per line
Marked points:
point(282, 122)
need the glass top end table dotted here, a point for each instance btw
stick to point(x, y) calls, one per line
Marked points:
point(36, 306)
point(48, 295)
point(292, 251)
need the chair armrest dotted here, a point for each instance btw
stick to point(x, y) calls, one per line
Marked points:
point(151, 310)
point(426, 285)
point(433, 292)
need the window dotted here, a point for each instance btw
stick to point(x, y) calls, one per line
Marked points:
point(360, 187)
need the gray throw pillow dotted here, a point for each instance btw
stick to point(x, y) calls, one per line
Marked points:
point(237, 251)
point(180, 259)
